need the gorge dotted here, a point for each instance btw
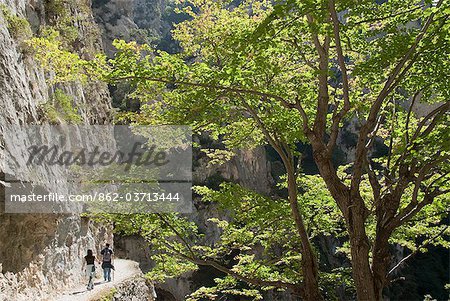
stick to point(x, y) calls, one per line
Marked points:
point(41, 254)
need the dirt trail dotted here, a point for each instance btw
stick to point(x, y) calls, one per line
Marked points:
point(124, 269)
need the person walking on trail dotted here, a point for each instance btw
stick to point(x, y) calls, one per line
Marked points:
point(107, 265)
point(89, 260)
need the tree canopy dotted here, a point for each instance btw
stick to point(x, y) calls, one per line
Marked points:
point(266, 73)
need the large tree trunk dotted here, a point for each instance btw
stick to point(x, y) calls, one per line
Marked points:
point(385, 212)
point(309, 265)
point(380, 262)
point(310, 271)
point(360, 247)
point(355, 213)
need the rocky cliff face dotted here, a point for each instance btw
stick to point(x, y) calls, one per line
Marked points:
point(138, 20)
point(41, 253)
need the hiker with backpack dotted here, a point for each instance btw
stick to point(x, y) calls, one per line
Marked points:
point(107, 265)
point(90, 269)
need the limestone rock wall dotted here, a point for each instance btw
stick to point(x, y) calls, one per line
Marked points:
point(41, 253)
point(138, 20)
point(248, 167)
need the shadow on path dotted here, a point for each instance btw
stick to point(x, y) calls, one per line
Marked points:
point(125, 269)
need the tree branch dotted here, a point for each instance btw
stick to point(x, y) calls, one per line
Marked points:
point(178, 234)
point(207, 86)
point(389, 16)
point(424, 244)
point(299, 50)
point(408, 116)
point(323, 96)
point(433, 114)
point(375, 108)
point(254, 281)
point(341, 58)
point(414, 206)
point(273, 141)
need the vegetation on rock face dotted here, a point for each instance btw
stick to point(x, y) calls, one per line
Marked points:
point(18, 27)
point(61, 64)
point(60, 109)
point(109, 296)
point(68, 18)
point(61, 19)
point(258, 73)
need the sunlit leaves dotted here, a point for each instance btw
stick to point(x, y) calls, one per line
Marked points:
point(61, 64)
point(242, 68)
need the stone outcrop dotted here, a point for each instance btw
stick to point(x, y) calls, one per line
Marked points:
point(248, 167)
point(135, 289)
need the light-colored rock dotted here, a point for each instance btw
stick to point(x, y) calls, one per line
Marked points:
point(129, 20)
point(127, 284)
point(135, 289)
point(40, 253)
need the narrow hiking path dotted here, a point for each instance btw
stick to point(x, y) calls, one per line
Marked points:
point(124, 269)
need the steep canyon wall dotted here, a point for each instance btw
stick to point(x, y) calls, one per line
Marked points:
point(42, 253)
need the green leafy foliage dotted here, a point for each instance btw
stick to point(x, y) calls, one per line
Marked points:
point(257, 73)
point(18, 27)
point(72, 20)
point(60, 109)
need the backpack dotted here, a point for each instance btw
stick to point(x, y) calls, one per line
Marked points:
point(106, 254)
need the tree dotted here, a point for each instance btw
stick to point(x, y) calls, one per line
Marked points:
point(258, 73)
